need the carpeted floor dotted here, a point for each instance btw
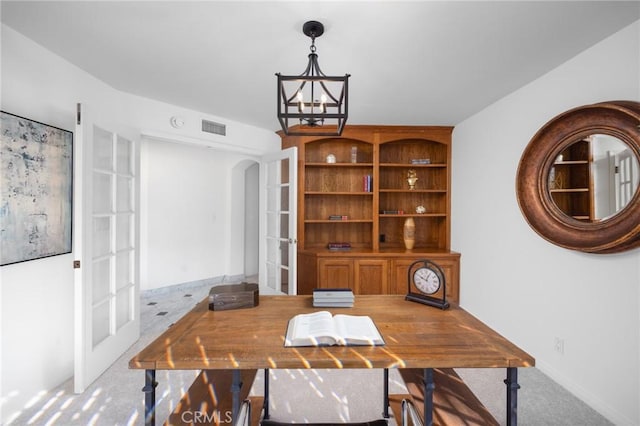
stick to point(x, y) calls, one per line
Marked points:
point(296, 395)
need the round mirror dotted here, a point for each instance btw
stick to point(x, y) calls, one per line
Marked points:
point(577, 181)
point(594, 178)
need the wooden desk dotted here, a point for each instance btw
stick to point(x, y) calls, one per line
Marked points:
point(416, 336)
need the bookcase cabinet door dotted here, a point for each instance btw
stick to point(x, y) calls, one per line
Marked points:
point(335, 273)
point(371, 276)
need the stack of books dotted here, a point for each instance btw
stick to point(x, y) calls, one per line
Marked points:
point(333, 297)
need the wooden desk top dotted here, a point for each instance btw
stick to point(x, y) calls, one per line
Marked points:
point(416, 336)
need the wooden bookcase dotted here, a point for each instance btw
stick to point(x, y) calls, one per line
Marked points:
point(570, 181)
point(367, 193)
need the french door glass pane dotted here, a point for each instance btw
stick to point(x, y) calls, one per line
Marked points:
point(123, 269)
point(284, 253)
point(272, 250)
point(101, 279)
point(284, 169)
point(272, 175)
point(284, 284)
point(272, 224)
point(123, 307)
point(123, 231)
point(271, 275)
point(102, 149)
point(284, 225)
point(272, 201)
point(101, 236)
point(101, 193)
point(284, 198)
point(101, 329)
point(124, 192)
point(125, 157)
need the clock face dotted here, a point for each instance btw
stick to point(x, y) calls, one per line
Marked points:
point(426, 280)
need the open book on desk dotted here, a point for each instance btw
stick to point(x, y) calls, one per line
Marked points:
point(323, 329)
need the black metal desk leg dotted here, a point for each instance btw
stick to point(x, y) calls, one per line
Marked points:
point(236, 385)
point(385, 402)
point(149, 390)
point(265, 406)
point(429, 386)
point(512, 396)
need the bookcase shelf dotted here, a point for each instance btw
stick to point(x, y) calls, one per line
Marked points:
point(571, 183)
point(335, 221)
point(350, 193)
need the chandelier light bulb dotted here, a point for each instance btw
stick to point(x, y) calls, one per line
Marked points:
point(323, 103)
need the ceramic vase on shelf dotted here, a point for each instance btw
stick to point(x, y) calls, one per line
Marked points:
point(409, 233)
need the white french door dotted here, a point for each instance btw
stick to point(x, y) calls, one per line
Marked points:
point(279, 178)
point(106, 241)
point(626, 180)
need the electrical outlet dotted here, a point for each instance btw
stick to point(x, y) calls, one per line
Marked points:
point(558, 345)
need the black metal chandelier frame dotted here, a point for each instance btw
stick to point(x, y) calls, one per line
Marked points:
point(325, 114)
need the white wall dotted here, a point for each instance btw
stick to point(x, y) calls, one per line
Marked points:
point(37, 296)
point(194, 213)
point(526, 288)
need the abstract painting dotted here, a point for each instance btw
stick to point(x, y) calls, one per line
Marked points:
point(36, 163)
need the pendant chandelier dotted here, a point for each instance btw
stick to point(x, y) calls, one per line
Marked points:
point(312, 103)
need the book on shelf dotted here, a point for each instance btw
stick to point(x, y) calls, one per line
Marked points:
point(367, 183)
point(392, 212)
point(339, 246)
point(338, 217)
point(323, 329)
point(420, 161)
point(333, 297)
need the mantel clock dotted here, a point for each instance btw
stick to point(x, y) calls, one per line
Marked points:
point(426, 284)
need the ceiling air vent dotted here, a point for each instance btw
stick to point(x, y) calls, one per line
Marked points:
point(213, 127)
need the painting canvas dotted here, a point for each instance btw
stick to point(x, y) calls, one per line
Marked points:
point(37, 187)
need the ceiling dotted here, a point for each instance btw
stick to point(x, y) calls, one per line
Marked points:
point(417, 62)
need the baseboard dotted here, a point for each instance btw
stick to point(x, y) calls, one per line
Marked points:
point(190, 285)
point(606, 410)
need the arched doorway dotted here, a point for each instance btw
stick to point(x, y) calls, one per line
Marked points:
point(244, 245)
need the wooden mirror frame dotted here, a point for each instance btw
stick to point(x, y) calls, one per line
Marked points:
point(620, 232)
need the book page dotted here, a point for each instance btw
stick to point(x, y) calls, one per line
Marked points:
point(311, 330)
point(357, 330)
